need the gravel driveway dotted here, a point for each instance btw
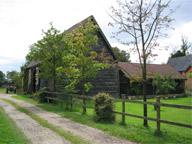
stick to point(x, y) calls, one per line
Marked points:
point(86, 132)
point(34, 132)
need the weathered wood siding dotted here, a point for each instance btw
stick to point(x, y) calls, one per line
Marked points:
point(107, 80)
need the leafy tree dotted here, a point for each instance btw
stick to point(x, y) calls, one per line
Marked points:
point(29, 57)
point(14, 77)
point(82, 59)
point(122, 55)
point(2, 78)
point(164, 84)
point(142, 23)
point(49, 52)
point(185, 48)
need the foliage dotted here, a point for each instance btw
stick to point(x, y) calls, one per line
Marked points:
point(49, 52)
point(41, 96)
point(135, 83)
point(144, 22)
point(164, 84)
point(14, 77)
point(185, 48)
point(122, 55)
point(103, 108)
point(136, 87)
point(2, 78)
point(81, 62)
point(25, 79)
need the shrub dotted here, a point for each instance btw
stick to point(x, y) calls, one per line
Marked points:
point(41, 96)
point(103, 108)
point(35, 95)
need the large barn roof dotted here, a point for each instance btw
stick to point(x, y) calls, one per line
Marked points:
point(163, 69)
point(181, 63)
point(32, 64)
point(83, 22)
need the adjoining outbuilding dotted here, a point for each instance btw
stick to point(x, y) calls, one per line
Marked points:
point(130, 70)
point(184, 66)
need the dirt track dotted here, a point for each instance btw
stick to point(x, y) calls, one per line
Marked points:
point(85, 132)
point(34, 132)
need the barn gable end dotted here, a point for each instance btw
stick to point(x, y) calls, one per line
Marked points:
point(107, 80)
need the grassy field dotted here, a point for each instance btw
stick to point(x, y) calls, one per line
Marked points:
point(133, 130)
point(2, 90)
point(9, 132)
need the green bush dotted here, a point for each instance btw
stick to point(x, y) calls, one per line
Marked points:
point(103, 108)
point(41, 95)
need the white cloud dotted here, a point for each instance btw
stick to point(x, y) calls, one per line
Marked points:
point(21, 22)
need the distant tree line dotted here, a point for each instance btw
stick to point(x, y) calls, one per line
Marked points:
point(185, 49)
point(122, 55)
point(11, 77)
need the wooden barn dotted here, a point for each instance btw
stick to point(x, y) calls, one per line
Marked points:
point(111, 80)
point(107, 80)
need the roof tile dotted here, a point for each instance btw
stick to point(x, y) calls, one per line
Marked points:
point(163, 70)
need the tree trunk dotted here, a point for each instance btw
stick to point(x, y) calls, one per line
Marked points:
point(54, 85)
point(145, 92)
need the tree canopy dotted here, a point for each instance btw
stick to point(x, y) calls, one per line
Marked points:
point(2, 78)
point(48, 51)
point(184, 50)
point(82, 60)
point(122, 55)
point(164, 84)
point(15, 78)
point(141, 23)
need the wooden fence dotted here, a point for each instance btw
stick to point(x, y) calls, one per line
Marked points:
point(157, 105)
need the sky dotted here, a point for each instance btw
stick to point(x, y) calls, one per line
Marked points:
point(22, 21)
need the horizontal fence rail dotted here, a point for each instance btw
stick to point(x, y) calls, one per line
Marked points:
point(157, 105)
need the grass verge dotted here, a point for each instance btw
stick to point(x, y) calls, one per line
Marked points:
point(134, 129)
point(69, 136)
point(9, 132)
point(3, 90)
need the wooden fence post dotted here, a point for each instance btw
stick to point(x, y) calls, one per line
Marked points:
point(61, 100)
point(123, 108)
point(67, 103)
point(71, 102)
point(158, 113)
point(84, 108)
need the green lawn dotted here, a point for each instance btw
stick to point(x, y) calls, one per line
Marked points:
point(134, 130)
point(9, 132)
point(2, 90)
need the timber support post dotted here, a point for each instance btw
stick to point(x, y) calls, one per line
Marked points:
point(71, 102)
point(84, 106)
point(158, 113)
point(123, 108)
point(67, 102)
